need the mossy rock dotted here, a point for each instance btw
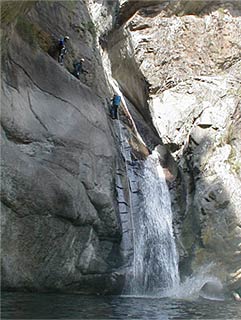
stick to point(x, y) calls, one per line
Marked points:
point(32, 34)
point(90, 27)
point(13, 12)
point(189, 232)
point(10, 10)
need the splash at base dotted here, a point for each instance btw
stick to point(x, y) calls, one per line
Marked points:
point(201, 284)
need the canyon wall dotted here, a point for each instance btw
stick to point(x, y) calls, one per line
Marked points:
point(179, 63)
point(178, 66)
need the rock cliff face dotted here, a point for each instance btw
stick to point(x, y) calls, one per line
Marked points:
point(60, 223)
point(184, 59)
point(178, 65)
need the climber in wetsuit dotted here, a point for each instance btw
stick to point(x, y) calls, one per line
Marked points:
point(78, 68)
point(115, 104)
point(62, 49)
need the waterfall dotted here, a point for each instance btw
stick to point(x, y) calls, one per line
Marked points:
point(155, 268)
point(155, 259)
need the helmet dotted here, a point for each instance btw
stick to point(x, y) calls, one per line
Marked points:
point(82, 59)
point(66, 38)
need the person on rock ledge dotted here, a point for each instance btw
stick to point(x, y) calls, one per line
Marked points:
point(62, 49)
point(78, 68)
point(115, 104)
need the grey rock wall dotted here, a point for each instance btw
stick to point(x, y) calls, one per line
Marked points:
point(60, 224)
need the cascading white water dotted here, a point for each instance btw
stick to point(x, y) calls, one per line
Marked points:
point(156, 259)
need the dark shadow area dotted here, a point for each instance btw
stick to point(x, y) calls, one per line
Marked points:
point(126, 72)
point(147, 131)
point(129, 8)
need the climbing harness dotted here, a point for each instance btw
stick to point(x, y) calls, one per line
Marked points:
point(61, 55)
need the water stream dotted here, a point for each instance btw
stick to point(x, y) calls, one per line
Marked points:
point(156, 258)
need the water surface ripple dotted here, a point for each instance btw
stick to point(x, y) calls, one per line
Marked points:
point(74, 306)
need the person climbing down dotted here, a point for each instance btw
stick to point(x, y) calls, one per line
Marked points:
point(78, 68)
point(62, 49)
point(115, 104)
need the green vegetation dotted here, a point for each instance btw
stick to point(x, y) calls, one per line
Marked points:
point(10, 10)
point(90, 27)
point(221, 11)
point(85, 27)
point(239, 92)
point(70, 4)
point(13, 12)
point(27, 31)
point(187, 7)
point(234, 92)
point(207, 235)
point(233, 159)
point(227, 138)
point(32, 34)
point(234, 162)
point(200, 254)
point(3, 41)
point(229, 135)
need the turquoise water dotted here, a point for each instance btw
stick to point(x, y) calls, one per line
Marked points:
point(73, 306)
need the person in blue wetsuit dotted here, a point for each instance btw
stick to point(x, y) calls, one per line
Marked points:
point(115, 104)
point(62, 49)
